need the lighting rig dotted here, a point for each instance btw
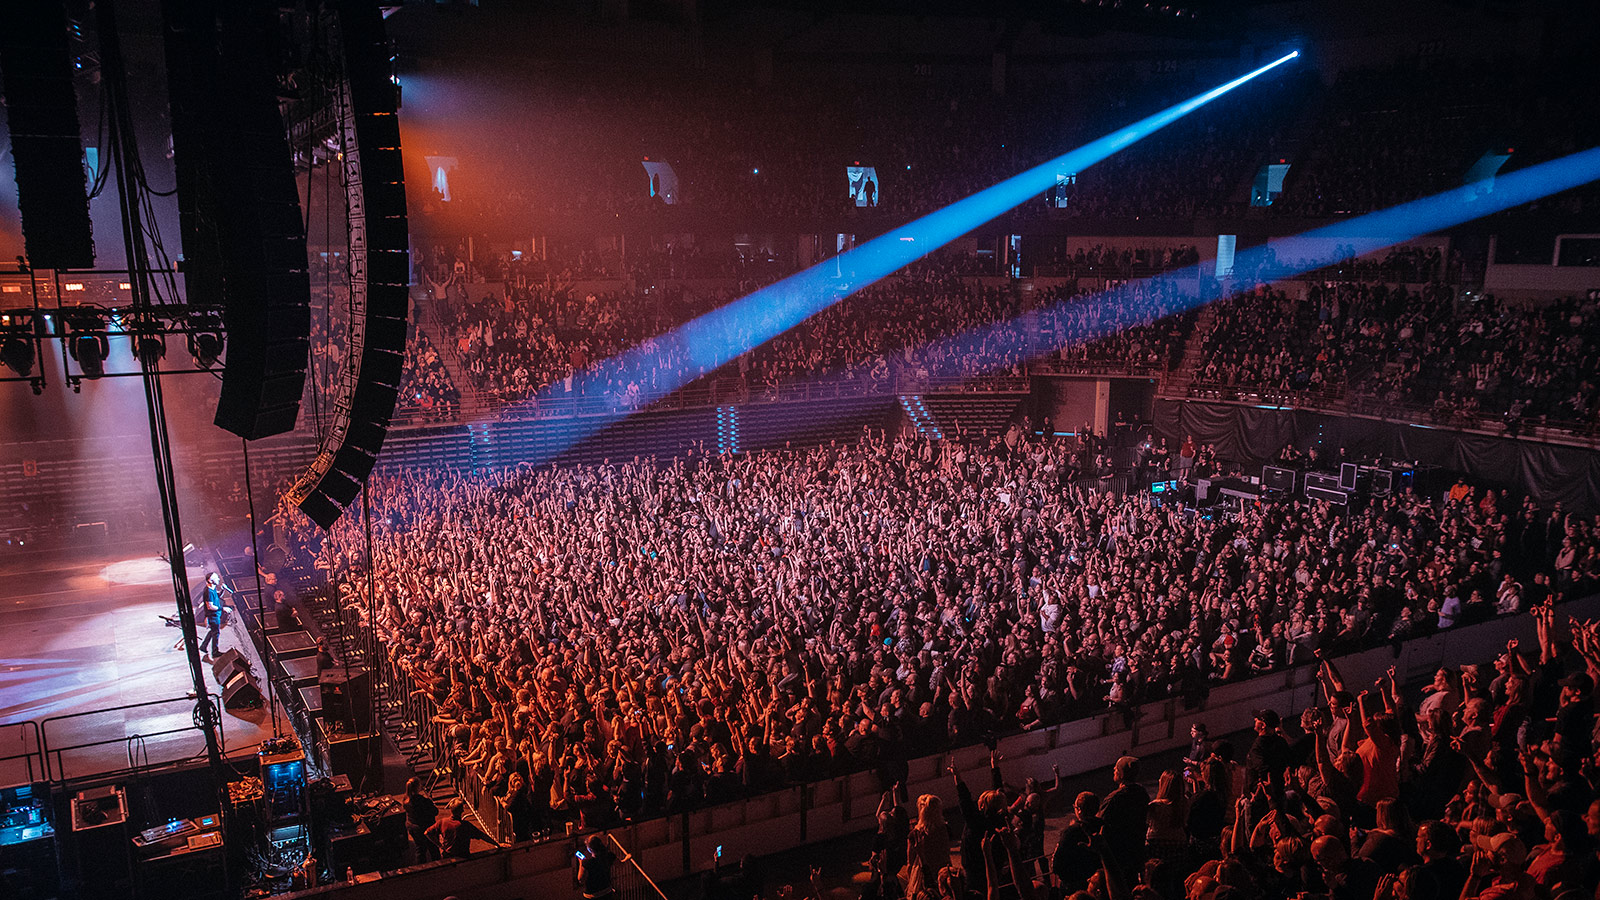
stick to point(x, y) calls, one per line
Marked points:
point(82, 312)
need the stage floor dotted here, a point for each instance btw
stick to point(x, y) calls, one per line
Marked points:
point(80, 634)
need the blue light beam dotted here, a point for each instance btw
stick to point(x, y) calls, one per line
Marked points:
point(705, 343)
point(1364, 234)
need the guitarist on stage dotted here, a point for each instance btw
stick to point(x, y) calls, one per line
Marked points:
point(215, 612)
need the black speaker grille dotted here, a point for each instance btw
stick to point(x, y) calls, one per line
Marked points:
point(46, 148)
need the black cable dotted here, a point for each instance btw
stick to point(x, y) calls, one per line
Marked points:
point(371, 635)
point(265, 647)
point(124, 141)
point(101, 176)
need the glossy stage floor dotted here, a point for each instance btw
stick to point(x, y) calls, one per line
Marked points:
point(85, 655)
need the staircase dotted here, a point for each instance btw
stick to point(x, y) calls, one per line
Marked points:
point(727, 429)
point(919, 417)
point(430, 324)
point(1177, 382)
point(973, 414)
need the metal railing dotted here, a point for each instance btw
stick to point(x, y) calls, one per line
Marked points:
point(1332, 400)
point(1528, 427)
point(632, 882)
point(1063, 367)
point(1532, 428)
point(33, 766)
point(54, 756)
point(700, 396)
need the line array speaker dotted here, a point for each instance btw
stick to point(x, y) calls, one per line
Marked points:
point(46, 145)
point(243, 237)
point(380, 273)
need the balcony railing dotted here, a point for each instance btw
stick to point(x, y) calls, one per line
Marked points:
point(1538, 428)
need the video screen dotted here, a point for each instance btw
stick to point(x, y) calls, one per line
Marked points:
point(663, 181)
point(1268, 184)
point(1225, 247)
point(863, 185)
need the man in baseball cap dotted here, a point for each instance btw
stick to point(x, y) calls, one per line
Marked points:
point(1499, 869)
point(1269, 754)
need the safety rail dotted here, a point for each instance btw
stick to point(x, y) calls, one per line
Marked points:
point(58, 771)
point(34, 763)
point(702, 396)
point(419, 711)
point(1533, 428)
point(1064, 367)
point(1337, 271)
point(633, 882)
point(1116, 270)
point(1244, 393)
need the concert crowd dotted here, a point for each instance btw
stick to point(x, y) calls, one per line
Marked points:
point(605, 643)
point(1478, 785)
point(616, 641)
point(1426, 349)
point(538, 338)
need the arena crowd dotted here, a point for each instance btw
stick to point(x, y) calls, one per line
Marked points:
point(616, 641)
point(1479, 785)
point(1426, 349)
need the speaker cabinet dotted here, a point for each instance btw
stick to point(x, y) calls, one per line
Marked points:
point(355, 756)
point(42, 116)
point(239, 210)
point(346, 700)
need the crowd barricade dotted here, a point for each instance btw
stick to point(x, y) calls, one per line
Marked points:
point(420, 712)
point(24, 760)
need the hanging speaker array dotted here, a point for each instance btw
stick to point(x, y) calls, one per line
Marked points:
point(46, 145)
point(379, 270)
point(244, 242)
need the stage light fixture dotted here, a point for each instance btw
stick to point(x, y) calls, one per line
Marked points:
point(87, 342)
point(722, 334)
point(145, 340)
point(16, 346)
point(205, 342)
point(149, 348)
point(90, 351)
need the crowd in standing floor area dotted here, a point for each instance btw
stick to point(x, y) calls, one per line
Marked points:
point(610, 642)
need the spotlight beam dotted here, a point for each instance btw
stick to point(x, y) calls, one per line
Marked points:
point(705, 343)
point(1364, 234)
